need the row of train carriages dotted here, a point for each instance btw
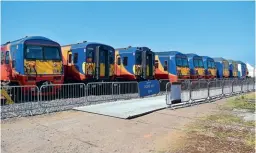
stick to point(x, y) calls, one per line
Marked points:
point(38, 61)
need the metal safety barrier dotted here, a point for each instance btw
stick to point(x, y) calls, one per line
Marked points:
point(199, 90)
point(204, 91)
point(163, 83)
point(99, 91)
point(215, 89)
point(31, 100)
point(56, 97)
point(227, 87)
point(237, 86)
point(185, 94)
point(251, 84)
point(125, 90)
point(18, 100)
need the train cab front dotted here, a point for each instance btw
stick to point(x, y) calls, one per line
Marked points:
point(234, 69)
point(225, 66)
point(211, 71)
point(182, 67)
point(144, 64)
point(42, 64)
point(198, 72)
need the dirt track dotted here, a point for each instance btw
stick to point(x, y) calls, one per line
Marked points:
point(74, 131)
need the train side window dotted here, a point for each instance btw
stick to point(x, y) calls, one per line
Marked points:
point(2, 58)
point(118, 61)
point(75, 57)
point(7, 58)
point(156, 63)
point(165, 65)
point(69, 58)
point(125, 61)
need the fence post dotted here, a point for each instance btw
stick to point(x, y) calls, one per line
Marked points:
point(112, 86)
point(190, 92)
point(208, 88)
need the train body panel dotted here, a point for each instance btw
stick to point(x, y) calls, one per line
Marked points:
point(31, 60)
point(171, 65)
point(242, 69)
point(196, 66)
point(222, 67)
point(134, 63)
point(210, 68)
point(88, 61)
point(233, 69)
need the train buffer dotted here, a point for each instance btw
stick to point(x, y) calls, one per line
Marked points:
point(127, 109)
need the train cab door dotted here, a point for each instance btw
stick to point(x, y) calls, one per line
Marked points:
point(118, 67)
point(144, 64)
point(149, 64)
point(164, 60)
point(8, 65)
point(3, 67)
point(68, 69)
point(102, 63)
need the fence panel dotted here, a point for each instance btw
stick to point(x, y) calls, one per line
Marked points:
point(251, 84)
point(245, 85)
point(237, 86)
point(163, 83)
point(227, 87)
point(215, 88)
point(199, 90)
point(56, 97)
point(99, 91)
point(18, 100)
point(185, 92)
point(125, 90)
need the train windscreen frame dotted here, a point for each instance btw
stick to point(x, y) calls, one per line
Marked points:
point(181, 61)
point(37, 52)
point(210, 64)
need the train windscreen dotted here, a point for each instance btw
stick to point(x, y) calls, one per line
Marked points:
point(42, 60)
point(210, 64)
point(42, 53)
point(225, 64)
point(138, 58)
point(181, 61)
point(198, 62)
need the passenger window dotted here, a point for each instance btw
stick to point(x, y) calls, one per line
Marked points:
point(165, 65)
point(125, 61)
point(118, 61)
point(75, 57)
point(69, 58)
point(2, 58)
point(156, 63)
point(7, 58)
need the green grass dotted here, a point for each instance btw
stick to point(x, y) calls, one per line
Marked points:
point(241, 102)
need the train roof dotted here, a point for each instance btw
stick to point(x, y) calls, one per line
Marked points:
point(230, 61)
point(192, 55)
point(22, 40)
point(218, 59)
point(83, 44)
point(207, 57)
point(169, 53)
point(133, 49)
point(240, 62)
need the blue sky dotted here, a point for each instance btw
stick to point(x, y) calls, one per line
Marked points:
point(216, 29)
